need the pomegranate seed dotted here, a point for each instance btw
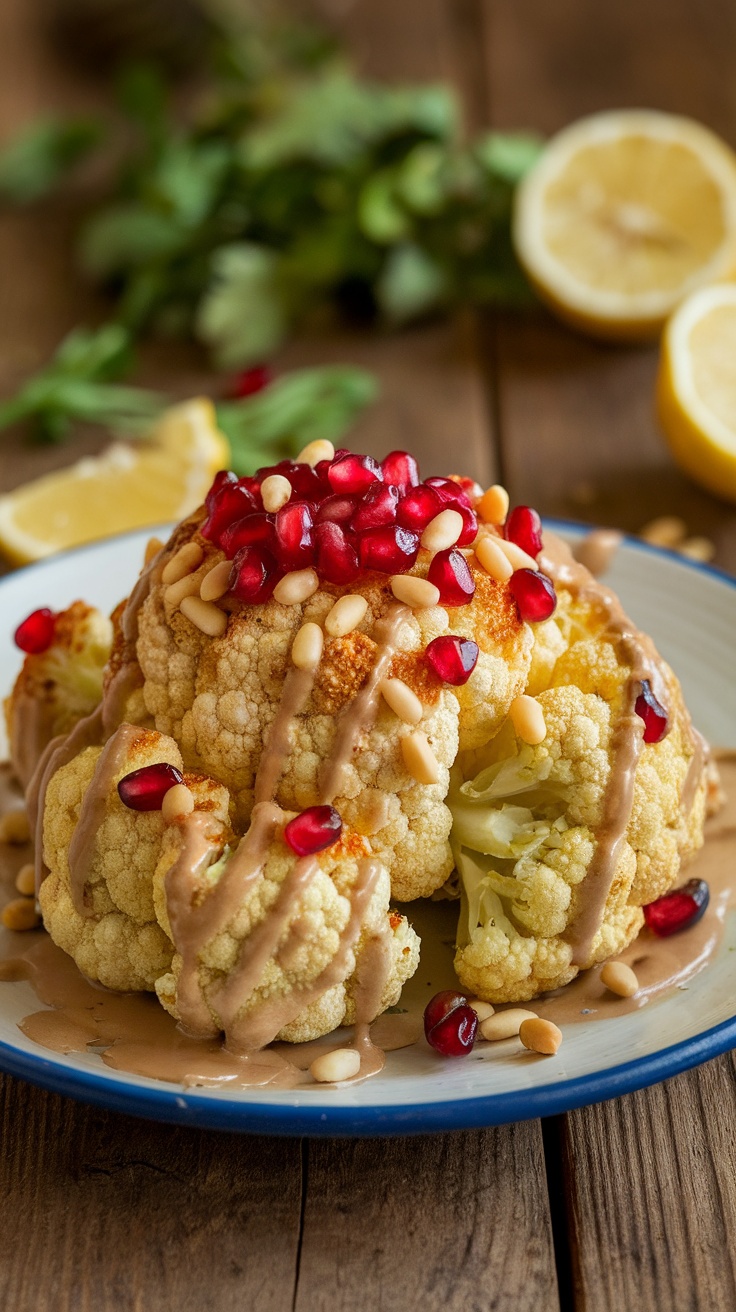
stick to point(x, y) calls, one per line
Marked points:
point(250, 381)
point(351, 473)
point(679, 909)
point(145, 789)
point(451, 494)
point(336, 510)
point(469, 486)
point(418, 507)
point(524, 527)
point(534, 594)
point(337, 558)
point(453, 659)
point(231, 503)
point(315, 829)
point(222, 478)
point(656, 722)
point(254, 575)
point(389, 549)
point(450, 1024)
point(36, 632)
point(253, 531)
point(400, 469)
point(304, 480)
point(378, 507)
point(294, 544)
point(449, 571)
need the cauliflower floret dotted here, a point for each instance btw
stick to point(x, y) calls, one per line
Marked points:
point(57, 687)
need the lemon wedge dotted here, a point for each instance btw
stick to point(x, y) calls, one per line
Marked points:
point(623, 215)
point(696, 387)
point(128, 486)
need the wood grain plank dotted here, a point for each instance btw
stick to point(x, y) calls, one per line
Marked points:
point(458, 1222)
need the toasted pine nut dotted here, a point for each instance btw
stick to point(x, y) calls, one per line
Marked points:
point(332, 1067)
point(493, 506)
point(519, 559)
point(697, 549)
point(505, 1024)
point(25, 880)
point(153, 546)
point(205, 615)
point(664, 531)
point(414, 591)
point(215, 584)
point(403, 702)
point(14, 827)
point(482, 1009)
point(296, 587)
point(183, 562)
point(275, 492)
point(176, 592)
point(620, 979)
point(419, 758)
point(313, 452)
point(443, 531)
point(179, 800)
point(346, 614)
point(540, 1035)
point(20, 914)
point(527, 718)
point(306, 650)
point(494, 561)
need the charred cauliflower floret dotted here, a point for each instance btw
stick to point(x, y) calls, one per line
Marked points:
point(58, 686)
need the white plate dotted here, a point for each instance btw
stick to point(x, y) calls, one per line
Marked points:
point(690, 610)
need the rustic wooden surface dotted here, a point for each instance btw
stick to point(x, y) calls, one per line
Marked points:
point(628, 1204)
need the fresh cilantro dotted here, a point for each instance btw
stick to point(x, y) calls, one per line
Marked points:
point(40, 156)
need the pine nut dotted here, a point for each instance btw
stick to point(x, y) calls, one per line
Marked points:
point(482, 1009)
point(419, 758)
point(20, 914)
point(183, 562)
point(527, 718)
point(414, 592)
point(205, 615)
point(620, 979)
point(494, 561)
point(443, 531)
point(313, 452)
point(664, 531)
point(332, 1067)
point(346, 615)
point(25, 880)
point(14, 827)
point(296, 587)
point(540, 1035)
point(153, 546)
point(505, 1024)
point(306, 651)
point(176, 592)
point(403, 702)
point(275, 492)
point(179, 800)
point(519, 559)
point(493, 506)
point(697, 549)
point(216, 583)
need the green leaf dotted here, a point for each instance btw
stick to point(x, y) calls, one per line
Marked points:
point(188, 179)
point(509, 155)
point(241, 316)
point(124, 237)
point(39, 157)
point(411, 284)
point(380, 213)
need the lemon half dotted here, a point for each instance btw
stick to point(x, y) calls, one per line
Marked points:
point(623, 215)
point(128, 486)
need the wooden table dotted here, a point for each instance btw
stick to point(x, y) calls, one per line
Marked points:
point(626, 1205)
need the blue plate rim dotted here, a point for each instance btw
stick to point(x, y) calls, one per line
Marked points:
point(198, 1109)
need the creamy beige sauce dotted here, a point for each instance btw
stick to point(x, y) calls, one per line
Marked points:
point(92, 812)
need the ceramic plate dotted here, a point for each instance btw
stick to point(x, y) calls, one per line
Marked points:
point(691, 612)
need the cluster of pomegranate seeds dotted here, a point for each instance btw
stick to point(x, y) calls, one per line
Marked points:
point(450, 572)
point(254, 575)
point(656, 721)
point(250, 381)
point(315, 829)
point(453, 659)
point(450, 1024)
point(524, 527)
point(534, 594)
point(679, 909)
point(145, 789)
point(36, 632)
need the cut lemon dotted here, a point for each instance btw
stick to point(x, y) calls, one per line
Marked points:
point(696, 387)
point(623, 215)
point(128, 486)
